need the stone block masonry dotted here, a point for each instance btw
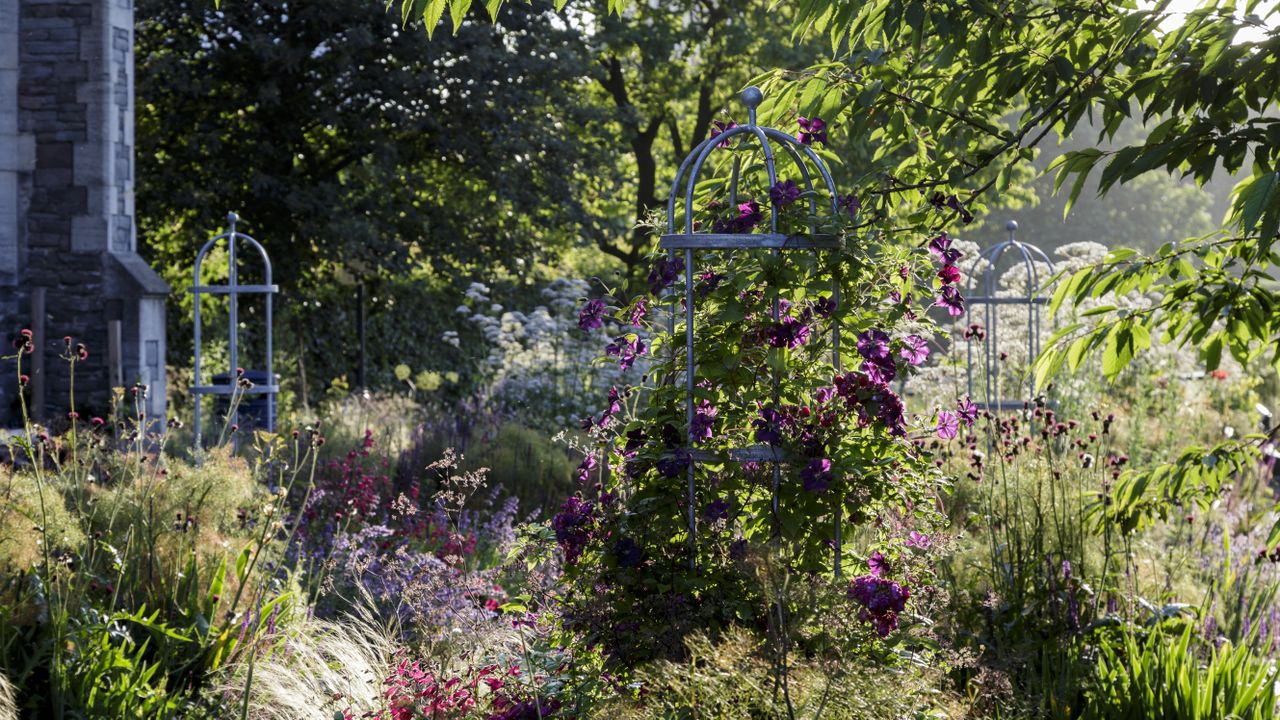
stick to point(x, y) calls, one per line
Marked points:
point(66, 202)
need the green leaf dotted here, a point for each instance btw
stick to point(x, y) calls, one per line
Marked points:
point(432, 13)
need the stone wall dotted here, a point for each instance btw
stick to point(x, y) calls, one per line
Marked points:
point(72, 107)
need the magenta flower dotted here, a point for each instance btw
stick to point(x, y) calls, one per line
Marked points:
point(583, 473)
point(952, 301)
point(812, 131)
point(948, 425)
point(592, 315)
point(914, 350)
point(949, 274)
point(967, 411)
point(917, 539)
point(878, 564)
point(638, 312)
point(784, 192)
point(719, 127)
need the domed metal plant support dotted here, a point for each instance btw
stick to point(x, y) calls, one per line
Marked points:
point(690, 240)
point(233, 290)
point(1027, 256)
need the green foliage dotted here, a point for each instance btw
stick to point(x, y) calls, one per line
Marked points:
point(730, 680)
point(1165, 675)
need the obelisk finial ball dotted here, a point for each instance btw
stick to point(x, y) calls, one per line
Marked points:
point(752, 97)
point(232, 218)
point(1011, 225)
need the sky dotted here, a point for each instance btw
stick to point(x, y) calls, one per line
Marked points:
point(1267, 10)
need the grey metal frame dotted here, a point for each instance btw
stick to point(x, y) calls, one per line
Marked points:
point(690, 241)
point(1028, 255)
point(233, 289)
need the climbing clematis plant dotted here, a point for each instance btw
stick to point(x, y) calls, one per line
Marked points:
point(801, 450)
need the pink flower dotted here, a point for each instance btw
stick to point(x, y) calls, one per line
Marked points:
point(948, 425)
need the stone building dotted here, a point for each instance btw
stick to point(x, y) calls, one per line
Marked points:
point(68, 243)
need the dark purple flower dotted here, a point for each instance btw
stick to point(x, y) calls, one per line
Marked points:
point(708, 281)
point(949, 274)
point(881, 600)
point(952, 301)
point(573, 526)
point(881, 371)
point(627, 348)
point(914, 350)
point(873, 344)
point(635, 441)
point(615, 402)
point(627, 553)
point(769, 426)
point(941, 247)
point(849, 203)
point(948, 425)
point(749, 216)
point(674, 465)
point(967, 411)
point(717, 509)
point(718, 128)
point(592, 315)
point(664, 273)
point(784, 192)
point(816, 476)
point(823, 394)
point(812, 131)
point(704, 418)
point(789, 333)
point(954, 203)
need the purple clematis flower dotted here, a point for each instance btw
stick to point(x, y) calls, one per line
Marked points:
point(967, 412)
point(914, 350)
point(948, 425)
point(880, 371)
point(638, 312)
point(664, 273)
point(952, 301)
point(919, 540)
point(816, 476)
point(704, 418)
point(941, 247)
point(784, 192)
point(873, 344)
point(719, 127)
point(812, 131)
point(789, 333)
point(627, 348)
point(592, 315)
point(849, 203)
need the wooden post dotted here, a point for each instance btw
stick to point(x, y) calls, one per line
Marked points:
point(115, 358)
point(360, 320)
point(38, 384)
